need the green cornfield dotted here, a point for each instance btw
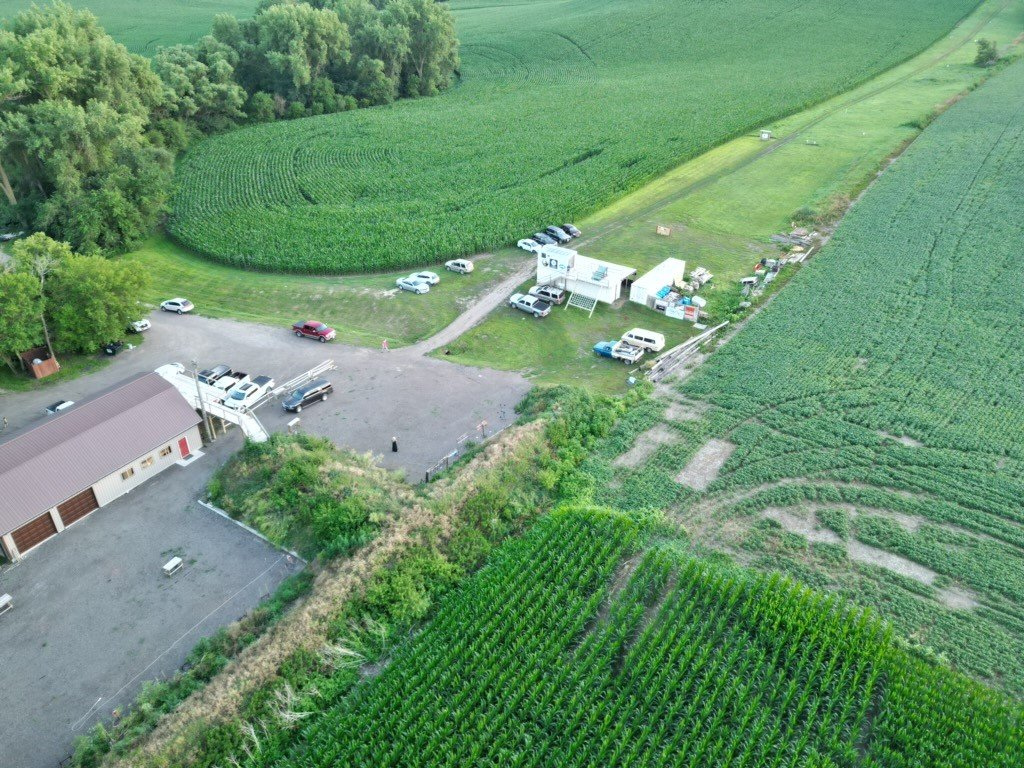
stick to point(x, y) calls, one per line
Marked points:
point(578, 646)
point(143, 26)
point(563, 106)
point(883, 390)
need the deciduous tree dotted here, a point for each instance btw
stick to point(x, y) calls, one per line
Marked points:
point(20, 312)
point(92, 300)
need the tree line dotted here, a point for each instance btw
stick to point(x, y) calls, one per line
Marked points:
point(89, 131)
point(66, 301)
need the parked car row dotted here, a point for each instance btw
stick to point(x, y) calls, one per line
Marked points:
point(240, 390)
point(419, 282)
point(551, 236)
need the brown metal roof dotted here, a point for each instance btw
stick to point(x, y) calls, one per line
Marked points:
point(50, 463)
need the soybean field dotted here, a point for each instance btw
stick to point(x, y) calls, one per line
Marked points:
point(561, 108)
point(142, 26)
point(579, 646)
point(863, 433)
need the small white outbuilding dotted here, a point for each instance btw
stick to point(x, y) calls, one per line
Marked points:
point(668, 274)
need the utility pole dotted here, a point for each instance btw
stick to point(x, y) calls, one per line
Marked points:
point(202, 403)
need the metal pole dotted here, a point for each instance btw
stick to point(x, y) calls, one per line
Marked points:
point(202, 403)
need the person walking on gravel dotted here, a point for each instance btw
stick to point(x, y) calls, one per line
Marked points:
point(384, 346)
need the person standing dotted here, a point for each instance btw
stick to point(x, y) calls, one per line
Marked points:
point(384, 346)
point(394, 445)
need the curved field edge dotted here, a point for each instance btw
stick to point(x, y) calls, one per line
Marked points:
point(872, 410)
point(550, 135)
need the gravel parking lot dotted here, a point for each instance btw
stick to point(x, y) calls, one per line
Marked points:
point(94, 616)
point(427, 404)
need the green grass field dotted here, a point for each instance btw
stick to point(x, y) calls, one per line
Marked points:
point(563, 108)
point(574, 647)
point(364, 308)
point(145, 25)
point(723, 205)
point(869, 418)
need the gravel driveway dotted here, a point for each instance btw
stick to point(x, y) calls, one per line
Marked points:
point(427, 404)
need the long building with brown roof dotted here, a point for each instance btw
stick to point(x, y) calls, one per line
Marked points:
point(54, 474)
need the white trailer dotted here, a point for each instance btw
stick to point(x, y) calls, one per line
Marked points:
point(668, 274)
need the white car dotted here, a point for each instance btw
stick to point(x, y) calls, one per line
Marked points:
point(178, 305)
point(140, 325)
point(430, 278)
point(463, 266)
point(413, 286)
point(529, 245)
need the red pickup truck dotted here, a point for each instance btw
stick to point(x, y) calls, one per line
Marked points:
point(313, 329)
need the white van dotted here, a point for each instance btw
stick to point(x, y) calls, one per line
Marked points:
point(639, 337)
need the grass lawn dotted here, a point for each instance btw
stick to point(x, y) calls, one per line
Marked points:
point(724, 205)
point(71, 367)
point(364, 308)
point(142, 26)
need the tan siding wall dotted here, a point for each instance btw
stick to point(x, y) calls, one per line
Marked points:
point(114, 486)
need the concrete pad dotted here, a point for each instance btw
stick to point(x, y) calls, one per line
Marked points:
point(95, 616)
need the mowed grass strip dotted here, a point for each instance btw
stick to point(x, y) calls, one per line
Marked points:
point(364, 309)
point(563, 107)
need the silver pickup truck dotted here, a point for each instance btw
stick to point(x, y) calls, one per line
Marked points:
point(535, 306)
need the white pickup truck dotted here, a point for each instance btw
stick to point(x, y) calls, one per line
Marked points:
point(531, 304)
point(242, 396)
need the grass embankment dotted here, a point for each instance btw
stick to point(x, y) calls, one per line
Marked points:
point(142, 26)
point(304, 493)
point(724, 205)
point(360, 606)
point(364, 308)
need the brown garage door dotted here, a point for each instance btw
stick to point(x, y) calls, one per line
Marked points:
point(33, 533)
point(78, 506)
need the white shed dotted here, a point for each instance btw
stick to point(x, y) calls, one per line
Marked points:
point(667, 274)
point(581, 275)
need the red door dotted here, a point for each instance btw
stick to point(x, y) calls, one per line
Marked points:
point(183, 447)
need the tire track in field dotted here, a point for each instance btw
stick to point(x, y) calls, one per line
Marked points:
point(789, 138)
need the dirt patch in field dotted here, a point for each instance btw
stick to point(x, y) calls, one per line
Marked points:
point(958, 599)
point(902, 440)
point(807, 526)
point(704, 467)
point(680, 410)
point(645, 445)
